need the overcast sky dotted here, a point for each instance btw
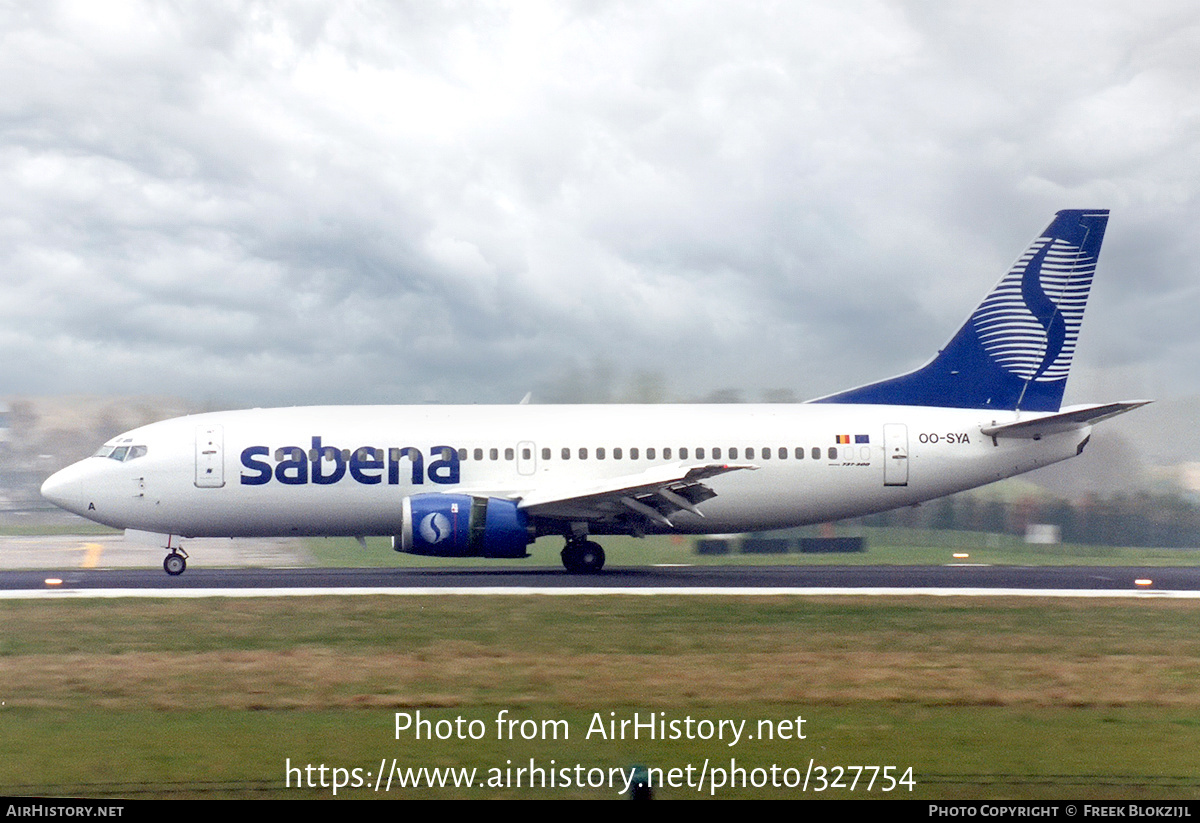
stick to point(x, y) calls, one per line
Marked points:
point(251, 203)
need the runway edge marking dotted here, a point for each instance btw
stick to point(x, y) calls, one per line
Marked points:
point(524, 591)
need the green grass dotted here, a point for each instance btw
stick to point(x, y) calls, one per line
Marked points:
point(1026, 755)
point(663, 625)
point(1002, 698)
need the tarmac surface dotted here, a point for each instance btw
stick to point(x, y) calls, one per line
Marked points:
point(116, 551)
point(113, 563)
point(733, 578)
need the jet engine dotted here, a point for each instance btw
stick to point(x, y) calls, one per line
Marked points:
point(461, 525)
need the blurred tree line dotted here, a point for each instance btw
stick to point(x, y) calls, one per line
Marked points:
point(1146, 518)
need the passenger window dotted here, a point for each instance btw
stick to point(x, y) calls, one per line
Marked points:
point(509, 454)
point(650, 454)
point(816, 452)
point(766, 454)
point(633, 453)
point(749, 452)
point(599, 452)
point(700, 453)
point(832, 452)
point(526, 454)
point(667, 453)
point(583, 453)
point(462, 454)
point(566, 453)
point(545, 454)
point(683, 453)
point(783, 452)
point(494, 454)
point(617, 452)
point(732, 453)
point(479, 454)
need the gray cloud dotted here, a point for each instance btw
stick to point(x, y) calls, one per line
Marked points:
point(284, 203)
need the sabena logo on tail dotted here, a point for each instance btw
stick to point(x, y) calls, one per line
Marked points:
point(1030, 322)
point(1014, 352)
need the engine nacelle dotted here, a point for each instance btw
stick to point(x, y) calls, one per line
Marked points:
point(460, 525)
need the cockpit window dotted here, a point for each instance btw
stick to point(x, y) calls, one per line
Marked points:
point(122, 454)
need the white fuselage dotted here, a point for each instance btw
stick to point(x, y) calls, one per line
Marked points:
point(252, 473)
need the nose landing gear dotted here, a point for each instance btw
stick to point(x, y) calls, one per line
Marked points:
point(175, 562)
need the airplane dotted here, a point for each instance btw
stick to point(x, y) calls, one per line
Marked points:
point(487, 481)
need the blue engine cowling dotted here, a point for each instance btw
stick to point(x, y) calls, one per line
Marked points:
point(460, 525)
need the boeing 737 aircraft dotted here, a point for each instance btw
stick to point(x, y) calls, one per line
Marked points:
point(480, 481)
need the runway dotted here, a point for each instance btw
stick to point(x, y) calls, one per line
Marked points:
point(731, 580)
point(116, 565)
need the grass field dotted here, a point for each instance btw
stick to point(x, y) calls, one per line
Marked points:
point(982, 698)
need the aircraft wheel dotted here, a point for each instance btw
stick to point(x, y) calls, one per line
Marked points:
point(174, 564)
point(583, 557)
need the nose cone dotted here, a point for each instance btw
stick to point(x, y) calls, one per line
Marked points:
point(67, 488)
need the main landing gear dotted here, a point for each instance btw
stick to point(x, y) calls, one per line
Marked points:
point(582, 556)
point(175, 562)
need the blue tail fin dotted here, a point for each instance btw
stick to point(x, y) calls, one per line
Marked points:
point(1015, 351)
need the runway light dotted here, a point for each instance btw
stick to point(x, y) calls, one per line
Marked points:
point(53, 581)
point(961, 555)
point(1143, 581)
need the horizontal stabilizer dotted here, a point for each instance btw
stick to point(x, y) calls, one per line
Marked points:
point(1071, 419)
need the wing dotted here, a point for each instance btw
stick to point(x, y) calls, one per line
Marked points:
point(655, 494)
